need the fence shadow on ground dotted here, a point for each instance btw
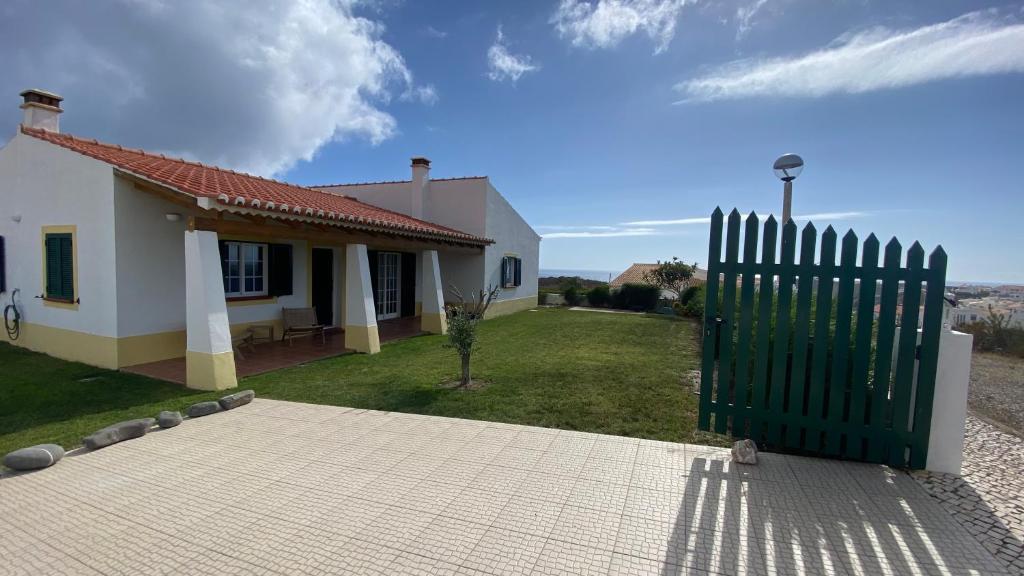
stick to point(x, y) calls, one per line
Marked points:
point(809, 516)
point(969, 507)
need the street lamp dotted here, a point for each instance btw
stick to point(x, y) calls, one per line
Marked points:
point(787, 168)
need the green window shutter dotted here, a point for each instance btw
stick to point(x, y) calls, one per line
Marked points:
point(67, 268)
point(53, 266)
point(60, 271)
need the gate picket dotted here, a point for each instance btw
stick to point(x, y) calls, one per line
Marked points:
point(743, 358)
point(862, 345)
point(758, 402)
point(732, 248)
point(822, 319)
point(797, 397)
point(777, 390)
point(707, 367)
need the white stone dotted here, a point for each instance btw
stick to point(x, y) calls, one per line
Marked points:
point(744, 452)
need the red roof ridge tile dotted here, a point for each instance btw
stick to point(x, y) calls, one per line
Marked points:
point(343, 184)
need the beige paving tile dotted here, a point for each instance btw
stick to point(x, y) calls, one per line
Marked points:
point(283, 488)
point(564, 558)
point(505, 553)
point(447, 539)
point(528, 515)
point(587, 527)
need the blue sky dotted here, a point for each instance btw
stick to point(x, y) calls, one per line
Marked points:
point(591, 117)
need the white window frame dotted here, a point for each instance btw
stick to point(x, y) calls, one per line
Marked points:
point(508, 270)
point(242, 292)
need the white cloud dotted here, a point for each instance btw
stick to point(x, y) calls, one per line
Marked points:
point(503, 65)
point(975, 44)
point(611, 233)
point(820, 217)
point(678, 221)
point(250, 85)
point(745, 17)
point(434, 32)
point(605, 23)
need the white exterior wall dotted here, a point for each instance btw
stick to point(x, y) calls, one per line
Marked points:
point(513, 237)
point(49, 186)
point(474, 206)
point(150, 262)
point(151, 268)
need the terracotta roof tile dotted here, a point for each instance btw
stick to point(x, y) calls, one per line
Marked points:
point(635, 275)
point(238, 189)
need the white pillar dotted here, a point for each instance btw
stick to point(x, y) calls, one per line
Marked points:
point(209, 359)
point(432, 317)
point(360, 314)
point(949, 407)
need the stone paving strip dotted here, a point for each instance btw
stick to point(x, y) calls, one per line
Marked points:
point(988, 499)
point(284, 488)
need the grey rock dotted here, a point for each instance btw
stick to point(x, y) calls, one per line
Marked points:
point(744, 452)
point(34, 457)
point(203, 409)
point(168, 419)
point(118, 433)
point(237, 399)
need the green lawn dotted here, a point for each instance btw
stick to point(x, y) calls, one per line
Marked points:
point(608, 373)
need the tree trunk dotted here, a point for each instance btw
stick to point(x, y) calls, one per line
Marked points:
point(465, 371)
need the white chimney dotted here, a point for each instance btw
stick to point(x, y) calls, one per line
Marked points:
point(420, 182)
point(42, 110)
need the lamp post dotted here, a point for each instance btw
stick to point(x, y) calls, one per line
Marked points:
point(787, 167)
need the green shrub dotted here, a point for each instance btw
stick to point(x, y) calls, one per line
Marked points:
point(599, 296)
point(639, 297)
point(694, 305)
point(689, 293)
point(571, 295)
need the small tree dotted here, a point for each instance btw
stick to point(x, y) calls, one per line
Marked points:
point(462, 320)
point(673, 276)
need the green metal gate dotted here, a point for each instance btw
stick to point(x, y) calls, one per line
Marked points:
point(815, 356)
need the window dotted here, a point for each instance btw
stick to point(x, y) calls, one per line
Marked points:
point(511, 271)
point(60, 267)
point(245, 269)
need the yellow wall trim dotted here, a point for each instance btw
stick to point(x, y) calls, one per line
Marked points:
point(362, 339)
point(434, 323)
point(252, 302)
point(132, 350)
point(210, 371)
point(502, 307)
point(72, 345)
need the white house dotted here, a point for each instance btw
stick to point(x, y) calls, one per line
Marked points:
point(122, 257)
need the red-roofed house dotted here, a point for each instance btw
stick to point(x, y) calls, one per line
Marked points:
point(123, 257)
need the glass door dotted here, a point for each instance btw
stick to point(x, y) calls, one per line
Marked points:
point(389, 270)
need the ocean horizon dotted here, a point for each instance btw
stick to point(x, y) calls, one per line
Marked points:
point(599, 275)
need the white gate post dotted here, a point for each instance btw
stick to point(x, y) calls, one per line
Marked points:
point(949, 405)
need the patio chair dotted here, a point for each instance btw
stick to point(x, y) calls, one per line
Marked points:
point(301, 322)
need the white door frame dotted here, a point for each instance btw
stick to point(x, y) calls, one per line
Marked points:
point(389, 285)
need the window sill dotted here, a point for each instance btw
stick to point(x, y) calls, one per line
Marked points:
point(64, 304)
point(250, 300)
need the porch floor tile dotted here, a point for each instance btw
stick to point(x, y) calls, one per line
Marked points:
point(269, 356)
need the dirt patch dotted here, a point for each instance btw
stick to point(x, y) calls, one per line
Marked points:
point(474, 384)
point(997, 390)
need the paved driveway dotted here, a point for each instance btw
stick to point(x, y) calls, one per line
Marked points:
point(277, 487)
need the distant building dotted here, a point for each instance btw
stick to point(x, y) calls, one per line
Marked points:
point(637, 274)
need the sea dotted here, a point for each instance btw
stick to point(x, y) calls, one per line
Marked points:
point(599, 275)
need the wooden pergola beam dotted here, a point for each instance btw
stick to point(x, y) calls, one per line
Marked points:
point(272, 229)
